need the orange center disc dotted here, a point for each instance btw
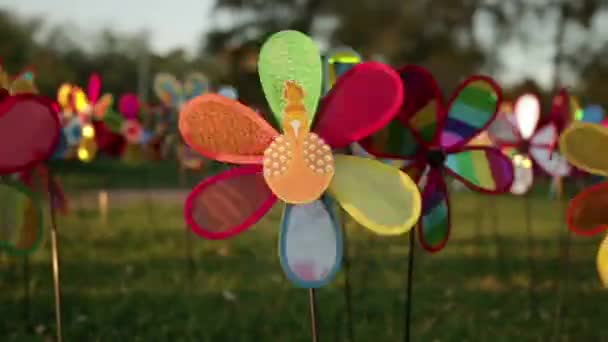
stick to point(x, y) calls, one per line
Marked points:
point(298, 170)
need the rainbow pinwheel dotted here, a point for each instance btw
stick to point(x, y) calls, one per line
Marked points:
point(526, 144)
point(433, 139)
point(299, 166)
point(582, 143)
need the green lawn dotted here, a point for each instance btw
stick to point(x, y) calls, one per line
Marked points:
point(129, 280)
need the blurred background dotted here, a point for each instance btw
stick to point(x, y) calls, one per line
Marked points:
point(133, 272)
point(531, 45)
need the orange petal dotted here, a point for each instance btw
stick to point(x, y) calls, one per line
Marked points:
point(225, 130)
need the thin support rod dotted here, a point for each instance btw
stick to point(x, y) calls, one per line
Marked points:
point(314, 319)
point(56, 267)
point(410, 283)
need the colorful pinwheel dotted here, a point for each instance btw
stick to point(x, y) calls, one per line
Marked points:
point(433, 139)
point(299, 165)
point(582, 143)
point(173, 94)
point(518, 135)
point(29, 130)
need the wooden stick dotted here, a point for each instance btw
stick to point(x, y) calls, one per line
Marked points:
point(56, 265)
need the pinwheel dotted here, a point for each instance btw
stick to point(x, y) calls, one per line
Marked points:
point(525, 144)
point(132, 129)
point(173, 94)
point(298, 166)
point(581, 143)
point(433, 139)
point(228, 91)
point(36, 179)
point(592, 113)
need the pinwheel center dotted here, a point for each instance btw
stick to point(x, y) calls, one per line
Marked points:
point(436, 158)
point(524, 147)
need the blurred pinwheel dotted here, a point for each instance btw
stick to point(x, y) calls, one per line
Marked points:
point(299, 165)
point(29, 131)
point(582, 144)
point(433, 139)
point(526, 145)
point(173, 94)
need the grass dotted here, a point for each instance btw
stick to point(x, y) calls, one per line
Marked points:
point(128, 280)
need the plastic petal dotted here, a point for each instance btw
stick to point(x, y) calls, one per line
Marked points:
point(129, 106)
point(470, 111)
point(168, 89)
point(582, 144)
point(229, 203)
point(310, 243)
point(336, 63)
point(527, 114)
point(29, 131)
point(94, 90)
point(363, 101)
point(290, 56)
point(484, 169)
point(587, 214)
point(378, 196)
point(21, 222)
point(543, 149)
point(435, 226)
point(602, 262)
point(225, 130)
point(195, 84)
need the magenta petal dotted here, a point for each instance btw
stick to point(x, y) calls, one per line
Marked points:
point(94, 88)
point(363, 101)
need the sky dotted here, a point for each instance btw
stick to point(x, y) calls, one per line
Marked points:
point(180, 23)
point(171, 23)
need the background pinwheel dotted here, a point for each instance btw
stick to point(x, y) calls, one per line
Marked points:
point(378, 196)
point(527, 144)
point(581, 144)
point(433, 139)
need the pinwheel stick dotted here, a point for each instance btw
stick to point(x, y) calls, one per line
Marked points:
point(26, 289)
point(565, 260)
point(347, 288)
point(183, 178)
point(531, 266)
point(410, 283)
point(314, 319)
point(56, 265)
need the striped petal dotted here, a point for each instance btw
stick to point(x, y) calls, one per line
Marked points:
point(310, 243)
point(195, 84)
point(483, 169)
point(434, 227)
point(471, 110)
point(169, 90)
point(225, 205)
point(581, 144)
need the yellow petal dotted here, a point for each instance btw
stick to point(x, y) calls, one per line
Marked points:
point(602, 262)
point(377, 195)
point(582, 143)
